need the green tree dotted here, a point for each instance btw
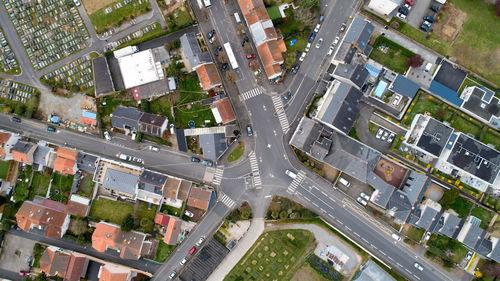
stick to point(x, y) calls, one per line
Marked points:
point(138, 137)
point(176, 44)
point(275, 214)
point(283, 215)
point(448, 198)
point(127, 223)
point(41, 277)
point(145, 106)
point(290, 60)
point(308, 4)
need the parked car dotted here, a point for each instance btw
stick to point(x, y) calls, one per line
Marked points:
point(316, 29)
point(202, 238)
point(224, 66)
point(207, 163)
point(468, 256)
point(379, 133)
point(51, 129)
point(15, 119)
point(418, 266)
point(391, 137)
point(183, 261)
point(172, 274)
point(211, 40)
point(435, 9)
point(336, 41)
point(295, 69)
point(361, 201)
point(286, 97)
point(385, 135)
point(308, 47)
point(211, 34)
point(429, 19)
point(154, 148)
point(188, 213)
point(401, 16)
point(302, 56)
point(219, 48)
point(311, 38)
point(193, 249)
point(342, 27)
point(427, 235)
point(410, 2)
point(321, 18)
point(251, 56)
point(23, 273)
point(364, 196)
point(107, 136)
point(396, 237)
point(330, 51)
point(408, 7)
point(195, 159)
point(249, 130)
point(403, 11)
point(318, 44)
point(77, 3)
point(425, 27)
point(244, 41)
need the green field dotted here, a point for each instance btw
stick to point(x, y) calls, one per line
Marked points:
point(109, 210)
point(162, 106)
point(273, 256)
point(61, 187)
point(103, 22)
point(4, 168)
point(395, 56)
point(237, 152)
point(196, 112)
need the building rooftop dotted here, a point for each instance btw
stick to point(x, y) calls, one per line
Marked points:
point(483, 103)
point(434, 136)
point(102, 77)
point(476, 158)
point(86, 162)
point(152, 182)
point(213, 145)
point(359, 32)
point(404, 86)
point(345, 52)
point(208, 76)
point(449, 225)
point(371, 271)
point(199, 198)
point(109, 236)
point(126, 117)
point(120, 181)
point(225, 110)
point(356, 74)
point(471, 235)
point(139, 69)
point(450, 76)
point(41, 154)
point(192, 51)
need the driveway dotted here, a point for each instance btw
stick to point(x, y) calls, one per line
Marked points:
point(16, 251)
point(417, 13)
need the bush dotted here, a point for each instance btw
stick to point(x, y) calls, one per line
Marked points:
point(283, 215)
point(176, 44)
point(127, 223)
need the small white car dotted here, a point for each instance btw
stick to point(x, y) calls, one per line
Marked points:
point(308, 47)
point(172, 274)
point(379, 133)
point(290, 174)
point(318, 44)
point(418, 266)
point(385, 135)
point(188, 213)
point(316, 29)
point(202, 238)
point(364, 196)
point(468, 256)
point(336, 41)
point(361, 201)
point(183, 261)
point(391, 137)
point(396, 237)
point(401, 16)
point(154, 148)
point(302, 56)
point(330, 51)
point(107, 136)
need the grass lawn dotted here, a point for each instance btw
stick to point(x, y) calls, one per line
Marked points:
point(163, 252)
point(4, 168)
point(162, 106)
point(109, 210)
point(196, 112)
point(171, 210)
point(40, 184)
point(179, 18)
point(395, 58)
point(492, 137)
point(190, 89)
point(292, 29)
point(440, 245)
point(102, 21)
point(273, 256)
point(86, 186)
point(373, 128)
point(466, 124)
point(461, 206)
point(425, 104)
point(108, 104)
point(61, 187)
point(415, 233)
point(274, 12)
point(484, 215)
point(22, 186)
point(237, 152)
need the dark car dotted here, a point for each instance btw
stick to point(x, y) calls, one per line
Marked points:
point(321, 18)
point(195, 159)
point(252, 56)
point(207, 163)
point(243, 42)
point(287, 96)
point(246, 39)
point(211, 34)
point(51, 129)
point(425, 27)
point(435, 9)
point(16, 119)
point(224, 66)
point(429, 19)
point(311, 38)
point(403, 11)
point(295, 69)
point(218, 50)
point(249, 130)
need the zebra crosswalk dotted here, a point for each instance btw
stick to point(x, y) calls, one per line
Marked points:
point(296, 181)
point(226, 200)
point(250, 94)
point(278, 106)
point(218, 175)
point(255, 170)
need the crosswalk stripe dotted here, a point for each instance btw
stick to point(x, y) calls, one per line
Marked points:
point(293, 185)
point(278, 106)
point(250, 94)
point(218, 175)
point(227, 201)
point(255, 170)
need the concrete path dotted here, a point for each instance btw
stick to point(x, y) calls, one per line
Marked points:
point(255, 230)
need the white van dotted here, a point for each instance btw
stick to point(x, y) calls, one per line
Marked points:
point(291, 174)
point(396, 237)
point(207, 3)
point(237, 17)
point(344, 182)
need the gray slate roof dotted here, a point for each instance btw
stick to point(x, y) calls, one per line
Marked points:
point(86, 162)
point(126, 117)
point(40, 155)
point(22, 147)
point(434, 137)
point(495, 252)
point(192, 50)
point(360, 31)
point(120, 181)
point(404, 86)
point(213, 145)
point(449, 225)
point(152, 182)
point(357, 74)
point(425, 216)
point(373, 272)
point(102, 76)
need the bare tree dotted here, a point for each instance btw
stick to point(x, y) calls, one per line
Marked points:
point(230, 76)
point(204, 13)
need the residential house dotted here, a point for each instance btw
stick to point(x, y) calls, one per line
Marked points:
point(427, 215)
point(191, 52)
point(54, 262)
point(23, 152)
point(150, 187)
point(109, 236)
point(173, 230)
point(269, 43)
point(208, 75)
point(371, 271)
point(338, 108)
point(449, 225)
point(86, 162)
point(355, 41)
point(132, 119)
point(65, 161)
point(33, 215)
point(152, 124)
point(472, 236)
point(7, 142)
point(404, 86)
point(43, 156)
point(429, 136)
point(162, 219)
point(114, 272)
point(213, 145)
point(120, 183)
point(482, 103)
point(222, 111)
point(78, 205)
point(200, 198)
point(354, 74)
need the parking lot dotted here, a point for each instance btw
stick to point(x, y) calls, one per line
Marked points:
point(355, 187)
point(15, 253)
point(49, 30)
point(416, 11)
point(205, 262)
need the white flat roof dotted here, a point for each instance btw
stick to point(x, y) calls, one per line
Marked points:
point(139, 69)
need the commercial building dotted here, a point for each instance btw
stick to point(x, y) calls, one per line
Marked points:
point(140, 68)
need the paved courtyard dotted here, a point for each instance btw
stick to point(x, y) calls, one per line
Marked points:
point(15, 253)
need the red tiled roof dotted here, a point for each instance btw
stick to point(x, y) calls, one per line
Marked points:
point(199, 198)
point(173, 230)
point(225, 110)
point(31, 214)
point(162, 219)
point(89, 121)
point(107, 235)
point(76, 209)
point(77, 266)
point(209, 78)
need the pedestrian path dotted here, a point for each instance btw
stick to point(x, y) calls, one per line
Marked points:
point(296, 181)
point(278, 106)
point(227, 201)
point(255, 170)
point(250, 94)
point(218, 175)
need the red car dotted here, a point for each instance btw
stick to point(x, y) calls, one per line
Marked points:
point(23, 273)
point(252, 56)
point(192, 250)
point(410, 2)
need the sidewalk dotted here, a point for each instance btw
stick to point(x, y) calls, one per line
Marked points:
point(255, 230)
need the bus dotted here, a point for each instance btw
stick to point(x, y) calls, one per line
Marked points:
point(230, 55)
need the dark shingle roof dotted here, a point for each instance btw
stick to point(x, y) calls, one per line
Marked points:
point(404, 86)
point(434, 137)
point(360, 32)
point(357, 74)
point(86, 162)
point(102, 76)
point(126, 117)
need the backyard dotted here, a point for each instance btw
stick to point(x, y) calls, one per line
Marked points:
point(273, 257)
point(4, 168)
point(161, 106)
point(448, 251)
point(114, 14)
point(86, 186)
point(391, 54)
point(107, 105)
point(163, 251)
point(189, 89)
point(179, 18)
point(196, 112)
point(484, 215)
point(40, 184)
point(415, 233)
point(21, 189)
point(461, 206)
point(61, 187)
